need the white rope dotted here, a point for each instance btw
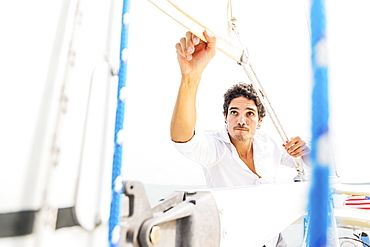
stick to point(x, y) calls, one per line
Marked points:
point(244, 62)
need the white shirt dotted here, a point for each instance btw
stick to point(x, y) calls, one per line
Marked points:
point(222, 165)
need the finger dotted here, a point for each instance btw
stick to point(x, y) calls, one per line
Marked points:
point(189, 46)
point(180, 52)
point(208, 35)
point(211, 39)
point(180, 46)
point(183, 48)
point(296, 148)
point(295, 139)
point(293, 142)
point(299, 152)
point(195, 39)
point(179, 49)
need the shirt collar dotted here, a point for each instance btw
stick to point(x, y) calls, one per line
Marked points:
point(224, 135)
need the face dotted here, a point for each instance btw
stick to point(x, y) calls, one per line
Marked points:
point(242, 119)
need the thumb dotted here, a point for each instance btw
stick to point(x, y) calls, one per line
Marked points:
point(211, 39)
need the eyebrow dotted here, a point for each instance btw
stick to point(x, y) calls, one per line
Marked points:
point(247, 108)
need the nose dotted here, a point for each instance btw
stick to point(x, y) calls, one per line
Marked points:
point(241, 121)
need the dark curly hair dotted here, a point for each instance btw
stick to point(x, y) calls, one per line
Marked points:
point(244, 90)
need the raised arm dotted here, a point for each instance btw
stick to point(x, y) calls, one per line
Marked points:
point(193, 56)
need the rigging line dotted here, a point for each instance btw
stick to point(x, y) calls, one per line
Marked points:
point(298, 165)
point(230, 9)
point(263, 96)
point(117, 187)
point(230, 19)
point(186, 14)
point(244, 61)
point(355, 239)
point(224, 44)
point(194, 20)
point(259, 89)
point(285, 136)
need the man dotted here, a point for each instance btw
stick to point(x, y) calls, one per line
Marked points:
point(239, 154)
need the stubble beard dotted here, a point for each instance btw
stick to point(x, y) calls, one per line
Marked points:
point(240, 137)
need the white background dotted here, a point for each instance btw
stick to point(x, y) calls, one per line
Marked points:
point(277, 37)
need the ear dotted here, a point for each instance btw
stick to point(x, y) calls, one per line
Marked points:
point(260, 120)
point(225, 117)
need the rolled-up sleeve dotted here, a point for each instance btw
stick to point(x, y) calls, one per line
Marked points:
point(202, 149)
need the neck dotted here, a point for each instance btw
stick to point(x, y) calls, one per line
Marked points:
point(245, 152)
point(244, 148)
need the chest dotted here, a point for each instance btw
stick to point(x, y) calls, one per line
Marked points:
point(248, 161)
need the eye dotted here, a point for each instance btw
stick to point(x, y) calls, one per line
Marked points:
point(233, 112)
point(250, 113)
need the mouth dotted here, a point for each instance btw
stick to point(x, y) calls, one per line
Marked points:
point(241, 129)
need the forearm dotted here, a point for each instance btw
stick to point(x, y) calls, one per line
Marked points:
point(193, 55)
point(184, 114)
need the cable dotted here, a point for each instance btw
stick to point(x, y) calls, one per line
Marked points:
point(358, 240)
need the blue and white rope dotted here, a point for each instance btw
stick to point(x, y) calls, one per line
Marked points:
point(117, 182)
point(318, 205)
